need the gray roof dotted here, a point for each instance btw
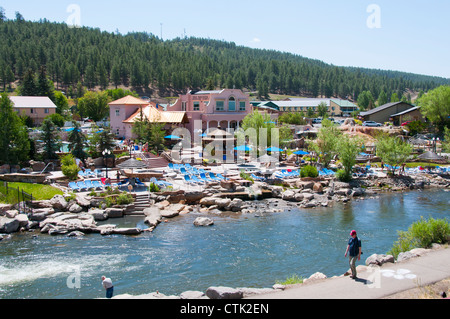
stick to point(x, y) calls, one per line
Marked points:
point(407, 111)
point(32, 102)
point(381, 108)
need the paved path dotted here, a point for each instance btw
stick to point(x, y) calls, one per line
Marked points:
point(384, 281)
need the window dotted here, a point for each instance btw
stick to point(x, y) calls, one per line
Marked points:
point(31, 111)
point(46, 111)
point(183, 106)
point(242, 106)
point(117, 112)
point(196, 106)
point(231, 104)
point(219, 106)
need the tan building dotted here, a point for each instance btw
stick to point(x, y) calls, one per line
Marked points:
point(36, 107)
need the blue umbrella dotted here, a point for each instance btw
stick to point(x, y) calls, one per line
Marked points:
point(301, 153)
point(172, 137)
point(245, 148)
point(204, 135)
point(274, 149)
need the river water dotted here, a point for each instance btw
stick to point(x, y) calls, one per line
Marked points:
point(238, 251)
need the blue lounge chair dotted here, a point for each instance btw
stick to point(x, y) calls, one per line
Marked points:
point(82, 186)
point(195, 179)
point(89, 184)
point(171, 166)
point(220, 176)
point(205, 178)
point(188, 166)
point(258, 178)
point(73, 186)
point(183, 170)
point(188, 180)
point(213, 177)
point(159, 183)
point(139, 183)
point(97, 184)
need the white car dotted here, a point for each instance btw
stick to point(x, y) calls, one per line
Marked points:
point(372, 124)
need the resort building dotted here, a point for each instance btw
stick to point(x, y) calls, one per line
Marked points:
point(389, 111)
point(223, 109)
point(127, 110)
point(336, 107)
point(35, 107)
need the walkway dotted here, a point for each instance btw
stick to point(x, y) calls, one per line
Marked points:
point(379, 283)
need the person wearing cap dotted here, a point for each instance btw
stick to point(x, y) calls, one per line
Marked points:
point(354, 251)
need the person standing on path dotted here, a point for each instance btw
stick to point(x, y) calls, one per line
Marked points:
point(107, 284)
point(354, 251)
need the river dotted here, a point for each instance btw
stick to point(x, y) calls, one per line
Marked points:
point(238, 251)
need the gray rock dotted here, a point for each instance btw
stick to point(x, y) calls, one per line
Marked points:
point(153, 216)
point(75, 208)
point(203, 221)
point(379, 260)
point(314, 277)
point(59, 202)
point(75, 233)
point(192, 295)
point(9, 225)
point(224, 293)
point(114, 212)
point(23, 220)
point(98, 214)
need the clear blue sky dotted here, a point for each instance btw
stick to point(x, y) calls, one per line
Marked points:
point(411, 36)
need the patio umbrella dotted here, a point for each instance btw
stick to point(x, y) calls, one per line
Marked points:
point(245, 148)
point(430, 156)
point(301, 153)
point(132, 163)
point(274, 149)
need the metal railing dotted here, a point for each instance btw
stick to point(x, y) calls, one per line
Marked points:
point(17, 196)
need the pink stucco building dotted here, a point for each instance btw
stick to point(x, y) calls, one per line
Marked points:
point(223, 108)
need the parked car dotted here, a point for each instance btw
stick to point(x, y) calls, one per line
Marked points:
point(372, 124)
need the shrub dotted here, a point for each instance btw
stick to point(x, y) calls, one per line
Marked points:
point(69, 167)
point(153, 188)
point(309, 171)
point(422, 234)
point(124, 199)
point(292, 280)
point(343, 176)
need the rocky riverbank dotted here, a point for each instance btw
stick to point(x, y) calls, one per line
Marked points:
point(65, 215)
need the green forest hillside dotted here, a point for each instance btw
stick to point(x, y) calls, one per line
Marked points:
point(149, 65)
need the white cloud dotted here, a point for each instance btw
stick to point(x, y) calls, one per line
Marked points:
point(256, 40)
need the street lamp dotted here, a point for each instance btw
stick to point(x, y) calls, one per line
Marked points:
point(106, 153)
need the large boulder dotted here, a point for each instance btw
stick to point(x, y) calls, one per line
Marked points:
point(224, 293)
point(235, 205)
point(98, 214)
point(114, 212)
point(59, 202)
point(9, 225)
point(153, 216)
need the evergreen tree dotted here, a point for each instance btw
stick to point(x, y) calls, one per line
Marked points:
point(77, 142)
point(29, 87)
point(50, 139)
point(14, 142)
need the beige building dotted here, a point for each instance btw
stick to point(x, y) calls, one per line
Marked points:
point(36, 107)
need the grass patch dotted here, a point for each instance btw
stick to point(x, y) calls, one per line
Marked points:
point(39, 192)
point(291, 280)
point(422, 234)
